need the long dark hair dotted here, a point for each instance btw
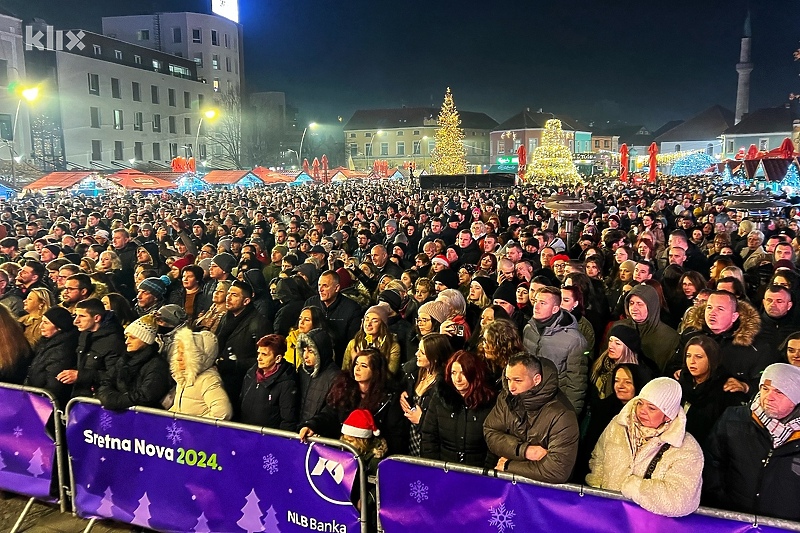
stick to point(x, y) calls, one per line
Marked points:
point(475, 371)
point(345, 393)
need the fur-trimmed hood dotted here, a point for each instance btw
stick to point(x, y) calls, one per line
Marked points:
point(321, 344)
point(199, 353)
point(745, 328)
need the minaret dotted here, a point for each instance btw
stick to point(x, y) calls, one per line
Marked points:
point(744, 67)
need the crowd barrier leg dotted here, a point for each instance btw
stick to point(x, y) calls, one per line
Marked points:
point(22, 515)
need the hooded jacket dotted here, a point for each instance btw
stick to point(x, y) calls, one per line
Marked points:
point(674, 487)
point(97, 352)
point(316, 381)
point(659, 341)
point(199, 389)
point(541, 416)
point(137, 378)
point(740, 357)
point(563, 344)
point(273, 402)
point(291, 300)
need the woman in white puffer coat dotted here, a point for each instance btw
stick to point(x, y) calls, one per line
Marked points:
point(646, 454)
point(199, 390)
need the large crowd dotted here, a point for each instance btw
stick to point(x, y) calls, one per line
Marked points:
point(650, 347)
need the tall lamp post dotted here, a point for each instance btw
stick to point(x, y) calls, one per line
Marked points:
point(209, 114)
point(303, 138)
point(422, 149)
point(371, 140)
point(30, 94)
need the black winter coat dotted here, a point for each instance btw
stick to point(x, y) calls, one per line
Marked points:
point(237, 336)
point(743, 472)
point(315, 383)
point(137, 378)
point(97, 352)
point(707, 401)
point(287, 316)
point(272, 403)
point(344, 318)
point(51, 356)
point(453, 433)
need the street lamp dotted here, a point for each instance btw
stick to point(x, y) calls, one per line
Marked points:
point(209, 114)
point(30, 94)
point(303, 138)
point(371, 140)
point(422, 149)
point(296, 154)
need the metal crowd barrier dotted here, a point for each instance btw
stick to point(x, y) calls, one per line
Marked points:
point(414, 493)
point(31, 447)
point(172, 472)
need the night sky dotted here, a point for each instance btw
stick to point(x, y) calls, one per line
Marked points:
point(639, 62)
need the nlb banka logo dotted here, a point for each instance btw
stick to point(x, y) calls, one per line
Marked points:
point(52, 39)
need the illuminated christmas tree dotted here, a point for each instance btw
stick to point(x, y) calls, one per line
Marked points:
point(449, 155)
point(551, 162)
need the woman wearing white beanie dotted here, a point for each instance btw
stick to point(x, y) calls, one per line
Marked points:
point(646, 454)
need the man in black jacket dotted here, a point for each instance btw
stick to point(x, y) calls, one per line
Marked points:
point(239, 330)
point(343, 314)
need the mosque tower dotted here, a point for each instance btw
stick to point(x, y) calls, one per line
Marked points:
point(744, 67)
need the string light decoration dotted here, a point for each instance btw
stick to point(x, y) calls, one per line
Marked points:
point(791, 183)
point(692, 164)
point(449, 155)
point(551, 162)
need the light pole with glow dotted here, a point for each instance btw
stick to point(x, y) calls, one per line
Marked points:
point(371, 140)
point(30, 94)
point(210, 114)
point(303, 138)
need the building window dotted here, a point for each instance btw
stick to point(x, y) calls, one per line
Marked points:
point(229, 85)
point(763, 144)
point(227, 63)
point(730, 147)
point(173, 127)
point(137, 151)
point(401, 148)
point(399, 133)
point(176, 35)
point(94, 84)
point(532, 143)
point(137, 59)
point(97, 49)
point(97, 151)
point(94, 113)
point(187, 126)
point(367, 150)
point(431, 146)
point(416, 132)
point(143, 35)
point(156, 65)
point(709, 149)
point(136, 91)
point(215, 62)
point(138, 121)
point(227, 41)
point(156, 151)
point(118, 119)
point(384, 149)
point(198, 59)
point(353, 149)
point(173, 150)
point(200, 99)
point(171, 97)
point(119, 151)
point(597, 143)
point(352, 135)
point(118, 54)
point(201, 150)
point(157, 123)
point(501, 147)
point(3, 72)
point(197, 37)
point(214, 38)
point(115, 91)
point(606, 143)
point(416, 148)
point(216, 85)
point(571, 146)
point(677, 147)
point(187, 100)
point(154, 94)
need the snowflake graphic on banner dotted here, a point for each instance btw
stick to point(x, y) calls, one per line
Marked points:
point(501, 518)
point(418, 491)
point(270, 464)
point(174, 433)
point(105, 421)
point(18, 432)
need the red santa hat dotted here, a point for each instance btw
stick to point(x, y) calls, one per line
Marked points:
point(360, 424)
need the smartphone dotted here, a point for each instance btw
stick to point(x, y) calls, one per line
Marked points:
point(459, 330)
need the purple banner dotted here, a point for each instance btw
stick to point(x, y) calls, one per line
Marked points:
point(27, 448)
point(181, 475)
point(413, 497)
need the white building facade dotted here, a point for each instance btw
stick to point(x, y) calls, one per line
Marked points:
point(13, 73)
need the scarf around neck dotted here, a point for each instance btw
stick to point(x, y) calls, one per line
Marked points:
point(779, 431)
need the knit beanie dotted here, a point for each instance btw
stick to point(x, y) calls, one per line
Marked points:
point(559, 257)
point(382, 310)
point(360, 424)
point(488, 285)
point(144, 329)
point(628, 336)
point(664, 393)
point(628, 265)
point(345, 279)
point(281, 249)
point(225, 261)
point(182, 262)
point(785, 378)
point(447, 277)
point(61, 318)
point(439, 311)
point(155, 286)
point(507, 291)
point(172, 314)
point(392, 299)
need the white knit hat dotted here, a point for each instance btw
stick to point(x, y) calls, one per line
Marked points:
point(144, 329)
point(785, 378)
point(664, 393)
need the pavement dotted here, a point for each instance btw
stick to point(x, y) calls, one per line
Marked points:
point(44, 518)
